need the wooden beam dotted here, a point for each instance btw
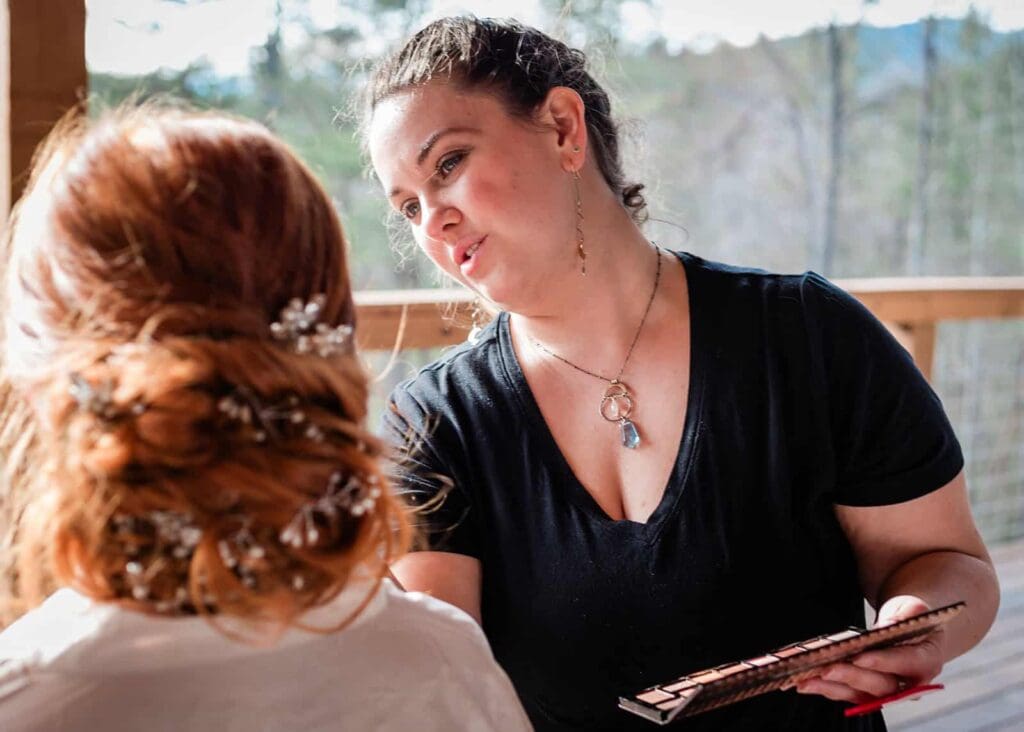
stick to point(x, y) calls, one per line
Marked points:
point(931, 299)
point(412, 318)
point(436, 318)
point(42, 68)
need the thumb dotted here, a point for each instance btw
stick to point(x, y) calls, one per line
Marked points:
point(899, 608)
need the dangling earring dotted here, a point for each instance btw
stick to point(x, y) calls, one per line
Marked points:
point(580, 251)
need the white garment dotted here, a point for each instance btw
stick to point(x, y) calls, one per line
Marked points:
point(409, 662)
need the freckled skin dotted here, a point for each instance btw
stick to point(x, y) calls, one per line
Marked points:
point(509, 185)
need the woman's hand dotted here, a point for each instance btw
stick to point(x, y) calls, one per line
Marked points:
point(880, 673)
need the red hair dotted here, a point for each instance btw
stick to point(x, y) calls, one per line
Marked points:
point(151, 251)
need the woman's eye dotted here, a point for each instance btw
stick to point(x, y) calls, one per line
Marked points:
point(447, 164)
point(410, 209)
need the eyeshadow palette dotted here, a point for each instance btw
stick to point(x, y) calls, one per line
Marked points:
point(732, 682)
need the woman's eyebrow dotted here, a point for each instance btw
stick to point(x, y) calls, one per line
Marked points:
point(427, 146)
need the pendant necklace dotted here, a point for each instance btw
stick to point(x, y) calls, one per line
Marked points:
point(617, 402)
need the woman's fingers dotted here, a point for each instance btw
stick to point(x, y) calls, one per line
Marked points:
point(919, 662)
point(832, 690)
point(863, 681)
point(881, 673)
point(877, 673)
point(899, 608)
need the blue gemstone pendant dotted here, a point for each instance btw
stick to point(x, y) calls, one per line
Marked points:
point(616, 406)
point(630, 434)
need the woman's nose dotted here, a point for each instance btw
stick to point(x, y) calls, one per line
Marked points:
point(439, 220)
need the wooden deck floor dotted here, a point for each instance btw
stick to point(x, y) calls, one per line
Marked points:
point(984, 688)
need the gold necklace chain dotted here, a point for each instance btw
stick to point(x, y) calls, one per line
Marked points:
point(617, 402)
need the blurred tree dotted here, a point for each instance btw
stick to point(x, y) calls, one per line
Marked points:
point(917, 238)
point(587, 23)
point(838, 106)
point(837, 122)
point(197, 83)
point(972, 105)
point(798, 95)
point(268, 68)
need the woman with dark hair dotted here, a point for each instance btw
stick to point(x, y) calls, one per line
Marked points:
point(186, 464)
point(648, 463)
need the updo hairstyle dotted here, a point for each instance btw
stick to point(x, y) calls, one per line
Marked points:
point(144, 265)
point(519, 65)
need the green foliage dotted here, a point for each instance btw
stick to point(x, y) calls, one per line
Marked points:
point(197, 83)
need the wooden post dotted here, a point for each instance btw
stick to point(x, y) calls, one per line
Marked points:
point(42, 75)
point(923, 349)
point(919, 340)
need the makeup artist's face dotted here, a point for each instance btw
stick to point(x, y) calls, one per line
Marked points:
point(485, 194)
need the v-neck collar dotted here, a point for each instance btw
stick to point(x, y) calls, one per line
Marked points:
point(541, 436)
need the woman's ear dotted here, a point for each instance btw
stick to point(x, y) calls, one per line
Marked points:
point(564, 113)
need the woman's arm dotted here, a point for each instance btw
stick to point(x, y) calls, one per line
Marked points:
point(912, 557)
point(453, 578)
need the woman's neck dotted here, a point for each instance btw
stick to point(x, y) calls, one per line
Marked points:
point(592, 319)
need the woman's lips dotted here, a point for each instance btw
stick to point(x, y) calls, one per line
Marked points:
point(471, 257)
point(472, 250)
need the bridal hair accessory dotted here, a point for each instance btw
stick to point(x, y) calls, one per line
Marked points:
point(299, 330)
point(155, 542)
point(320, 522)
point(159, 544)
point(260, 421)
point(163, 541)
point(243, 553)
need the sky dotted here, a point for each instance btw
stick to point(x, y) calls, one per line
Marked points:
point(139, 36)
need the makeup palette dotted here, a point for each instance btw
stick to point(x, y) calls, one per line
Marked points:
point(782, 668)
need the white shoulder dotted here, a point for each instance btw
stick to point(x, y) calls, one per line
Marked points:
point(15, 675)
point(43, 635)
point(30, 645)
point(464, 663)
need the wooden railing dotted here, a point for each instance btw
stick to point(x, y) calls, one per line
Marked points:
point(910, 307)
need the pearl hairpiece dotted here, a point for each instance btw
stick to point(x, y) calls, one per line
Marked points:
point(171, 537)
point(299, 330)
point(261, 421)
point(317, 522)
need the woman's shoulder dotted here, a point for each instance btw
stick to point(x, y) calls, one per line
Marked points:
point(440, 642)
point(430, 619)
point(36, 644)
point(458, 382)
point(45, 634)
point(787, 298)
point(738, 278)
point(401, 658)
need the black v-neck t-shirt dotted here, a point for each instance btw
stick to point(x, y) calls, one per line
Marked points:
point(799, 400)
